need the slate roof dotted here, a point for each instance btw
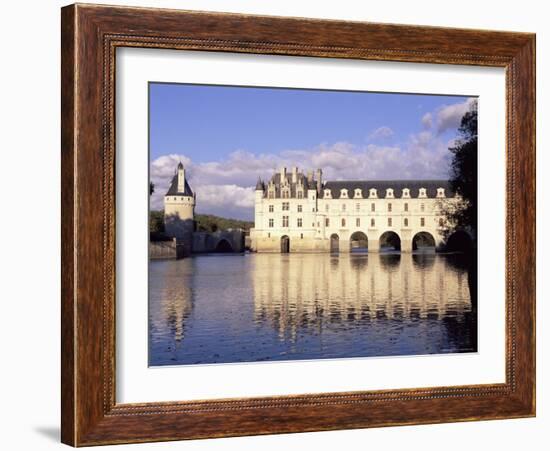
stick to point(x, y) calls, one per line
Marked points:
point(173, 190)
point(381, 186)
point(300, 176)
point(260, 184)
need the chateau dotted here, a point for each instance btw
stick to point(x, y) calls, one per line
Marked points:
point(295, 212)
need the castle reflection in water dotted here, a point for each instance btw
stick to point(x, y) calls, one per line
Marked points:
point(258, 307)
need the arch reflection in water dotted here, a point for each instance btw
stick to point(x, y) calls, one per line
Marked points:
point(218, 309)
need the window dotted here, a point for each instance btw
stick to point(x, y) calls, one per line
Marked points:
point(286, 206)
point(269, 235)
point(372, 207)
point(344, 193)
point(175, 198)
point(300, 194)
point(326, 208)
point(358, 193)
point(357, 207)
point(285, 221)
point(440, 192)
point(299, 208)
point(406, 222)
point(422, 192)
point(441, 222)
point(271, 208)
point(406, 206)
point(327, 222)
point(422, 207)
point(343, 207)
point(389, 192)
point(270, 222)
point(271, 195)
point(357, 222)
point(299, 222)
point(372, 193)
point(343, 222)
point(389, 206)
point(406, 192)
point(285, 194)
point(422, 222)
point(389, 222)
point(372, 222)
point(301, 236)
point(328, 194)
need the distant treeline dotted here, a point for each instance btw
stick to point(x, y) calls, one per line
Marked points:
point(203, 223)
point(211, 223)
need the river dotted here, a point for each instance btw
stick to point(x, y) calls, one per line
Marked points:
point(271, 307)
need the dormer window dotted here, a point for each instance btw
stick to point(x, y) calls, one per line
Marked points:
point(344, 193)
point(440, 192)
point(285, 193)
point(406, 193)
point(328, 194)
point(358, 193)
point(422, 192)
point(372, 193)
point(300, 194)
point(389, 193)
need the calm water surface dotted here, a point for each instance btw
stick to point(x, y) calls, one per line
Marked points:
point(261, 307)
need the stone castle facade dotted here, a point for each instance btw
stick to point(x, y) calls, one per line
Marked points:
point(297, 212)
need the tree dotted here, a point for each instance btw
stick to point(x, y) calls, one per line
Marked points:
point(156, 221)
point(211, 223)
point(463, 177)
point(151, 188)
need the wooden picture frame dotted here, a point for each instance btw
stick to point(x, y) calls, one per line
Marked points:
point(90, 36)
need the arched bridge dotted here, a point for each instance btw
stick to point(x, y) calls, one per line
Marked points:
point(397, 241)
point(226, 241)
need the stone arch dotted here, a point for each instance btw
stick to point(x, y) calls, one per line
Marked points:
point(334, 243)
point(224, 246)
point(423, 242)
point(285, 244)
point(390, 241)
point(358, 242)
point(459, 241)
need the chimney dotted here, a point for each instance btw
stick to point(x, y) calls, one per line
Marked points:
point(310, 177)
point(283, 175)
point(319, 177)
point(294, 174)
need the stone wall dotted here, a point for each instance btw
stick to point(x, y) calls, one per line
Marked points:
point(162, 249)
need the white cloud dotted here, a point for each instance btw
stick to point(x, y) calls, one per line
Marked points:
point(427, 120)
point(447, 117)
point(220, 195)
point(226, 187)
point(381, 133)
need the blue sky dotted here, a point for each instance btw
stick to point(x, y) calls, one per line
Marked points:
point(228, 136)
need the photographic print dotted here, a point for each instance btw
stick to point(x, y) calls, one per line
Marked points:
point(297, 224)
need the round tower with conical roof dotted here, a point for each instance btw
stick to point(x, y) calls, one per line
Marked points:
point(179, 210)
